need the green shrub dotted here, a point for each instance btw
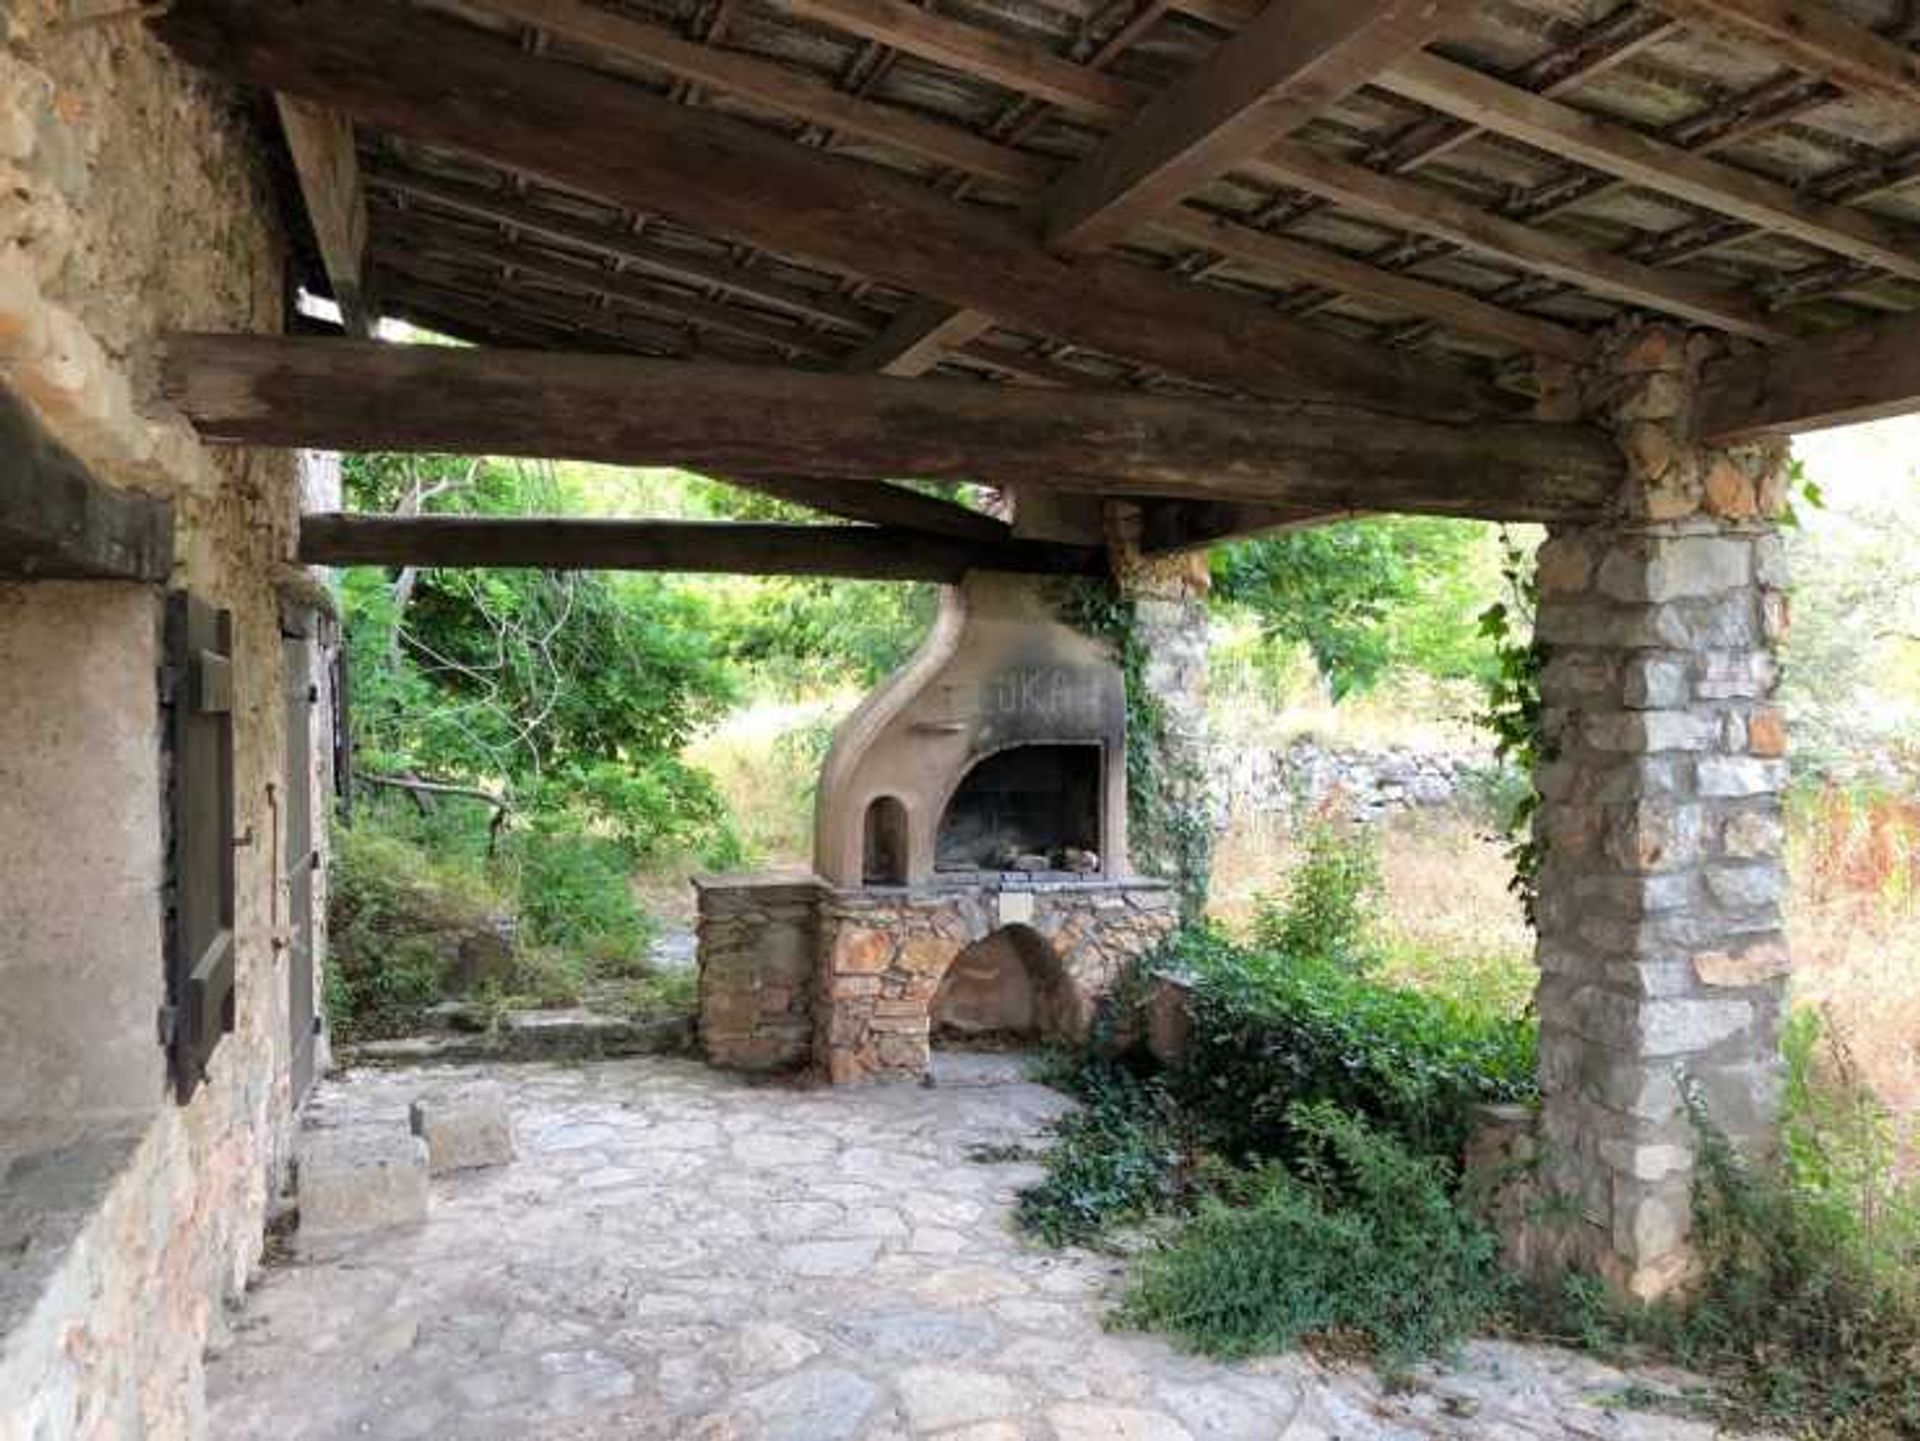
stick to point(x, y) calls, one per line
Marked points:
point(1270, 1032)
point(1362, 1241)
point(390, 907)
point(1332, 897)
point(1113, 1161)
point(576, 894)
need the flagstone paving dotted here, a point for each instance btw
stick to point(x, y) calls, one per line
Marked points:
point(676, 1253)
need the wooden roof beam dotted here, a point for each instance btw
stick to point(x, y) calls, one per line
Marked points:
point(854, 552)
point(501, 208)
point(622, 289)
point(1428, 210)
point(769, 84)
point(1296, 59)
point(756, 420)
point(724, 175)
point(1615, 149)
point(1813, 36)
point(327, 166)
point(1406, 204)
point(895, 506)
point(918, 339)
point(1865, 372)
point(58, 521)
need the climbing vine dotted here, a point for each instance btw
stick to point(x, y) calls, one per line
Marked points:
point(1512, 710)
point(1169, 831)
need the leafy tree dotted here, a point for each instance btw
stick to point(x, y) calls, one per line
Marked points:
point(577, 691)
point(1368, 595)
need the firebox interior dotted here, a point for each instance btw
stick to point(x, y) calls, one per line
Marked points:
point(1023, 806)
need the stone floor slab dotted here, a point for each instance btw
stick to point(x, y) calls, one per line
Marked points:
point(679, 1255)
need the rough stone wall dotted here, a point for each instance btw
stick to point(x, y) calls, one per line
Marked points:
point(883, 955)
point(1364, 785)
point(759, 955)
point(1660, 944)
point(1171, 831)
point(136, 202)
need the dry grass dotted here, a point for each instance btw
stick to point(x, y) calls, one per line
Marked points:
point(1854, 928)
point(1450, 924)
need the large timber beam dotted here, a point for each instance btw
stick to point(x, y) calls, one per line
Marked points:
point(486, 96)
point(753, 420)
point(1865, 372)
point(1297, 58)
point(328, 168)
point(59, 522)
point(855, 552)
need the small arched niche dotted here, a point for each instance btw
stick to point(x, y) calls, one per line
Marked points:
point(1006, 987)
point(884, 843)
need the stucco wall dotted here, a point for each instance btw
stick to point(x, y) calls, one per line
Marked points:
point(137, 202)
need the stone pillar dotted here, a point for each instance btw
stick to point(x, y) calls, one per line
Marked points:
point(1170, 822)
point(758, 949)
point(1660, 946)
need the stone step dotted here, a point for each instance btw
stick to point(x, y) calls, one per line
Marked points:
point(532, 1036)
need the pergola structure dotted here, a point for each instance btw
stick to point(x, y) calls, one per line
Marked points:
point(1230, 266)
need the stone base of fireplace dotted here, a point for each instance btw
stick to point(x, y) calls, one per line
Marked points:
point(851, 982)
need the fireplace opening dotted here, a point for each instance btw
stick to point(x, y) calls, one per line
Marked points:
point(1005, 988)
point(884, 843)
point(1026, 808)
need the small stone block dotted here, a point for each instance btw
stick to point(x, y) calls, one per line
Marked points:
point(464, 1129)
point(361, 1178)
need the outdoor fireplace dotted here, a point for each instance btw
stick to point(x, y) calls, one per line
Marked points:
point(970, 859)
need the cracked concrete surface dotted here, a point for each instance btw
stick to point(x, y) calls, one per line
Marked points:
point(677, 1253)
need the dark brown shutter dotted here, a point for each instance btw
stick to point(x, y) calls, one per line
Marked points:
point(200, 842)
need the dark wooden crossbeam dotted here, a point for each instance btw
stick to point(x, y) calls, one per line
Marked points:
point(1294, 60)
point(852, 552)
point(756, 420)
point(878, 503)
point(1865, 372)
point(486, 96)
point(328, 169)
point(58, 521)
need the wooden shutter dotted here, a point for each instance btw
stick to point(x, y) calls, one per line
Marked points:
point(198, 695)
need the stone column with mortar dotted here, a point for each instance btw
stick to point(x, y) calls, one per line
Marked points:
point(1171, 830)
point(1662, 957)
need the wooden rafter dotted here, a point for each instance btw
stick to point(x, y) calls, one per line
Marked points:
point(725, 175)
point(1866, 372)
point(770, 84)
point(856, 552)
point(748, 420)
point(917, 338)
point(328, 168)
point(1616, 149)
point(1293, 61)
point(1426, 209)
point(625, 289)
point(1409, 205)
point(880, 504)
point(517, 214)
point(1812, 35)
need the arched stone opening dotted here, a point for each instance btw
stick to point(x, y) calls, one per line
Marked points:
point(884, 853)
point(1006, 988)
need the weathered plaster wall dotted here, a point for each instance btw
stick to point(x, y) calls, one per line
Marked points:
point(136, 202)
point(80, 916)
